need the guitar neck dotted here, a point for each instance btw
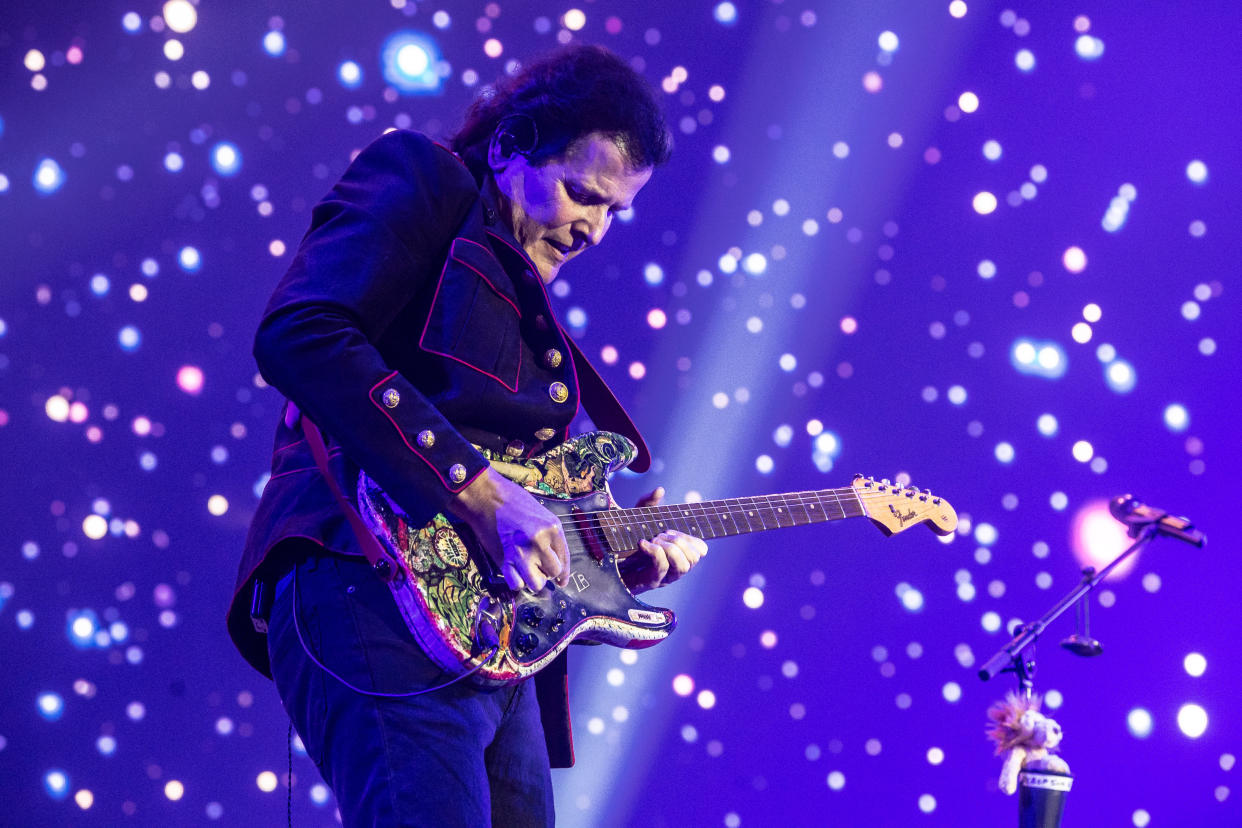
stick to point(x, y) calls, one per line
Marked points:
point(624, 528)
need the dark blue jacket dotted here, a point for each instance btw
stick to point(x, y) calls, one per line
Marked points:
point(409, 326)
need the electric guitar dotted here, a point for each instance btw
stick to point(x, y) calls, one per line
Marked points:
point(468, 621)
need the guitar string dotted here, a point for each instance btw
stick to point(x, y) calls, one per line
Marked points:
point(630, 518)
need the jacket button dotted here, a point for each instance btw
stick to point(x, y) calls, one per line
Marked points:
point(552, 358)
point(426, 438)
point(545, 434)
point(558, 391)
point(515, 448)
point(391, 398)
point(457, 473)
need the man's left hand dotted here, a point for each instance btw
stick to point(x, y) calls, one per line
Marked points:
point(664, 559)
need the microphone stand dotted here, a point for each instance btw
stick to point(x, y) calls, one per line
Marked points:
point(1043, 793)
point(1145, 524)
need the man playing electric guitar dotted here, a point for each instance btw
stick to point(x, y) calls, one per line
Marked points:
point(414, 329)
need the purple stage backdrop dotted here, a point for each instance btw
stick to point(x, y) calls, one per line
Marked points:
point(989, 248)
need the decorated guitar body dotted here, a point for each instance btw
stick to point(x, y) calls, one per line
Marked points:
point(458, 610)
point(468, 621)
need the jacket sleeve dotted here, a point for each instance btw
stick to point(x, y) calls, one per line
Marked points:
point(375, 241)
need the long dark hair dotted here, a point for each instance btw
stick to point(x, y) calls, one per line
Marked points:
point(567, 94)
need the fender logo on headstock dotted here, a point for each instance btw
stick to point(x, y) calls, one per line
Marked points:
point(903, 517)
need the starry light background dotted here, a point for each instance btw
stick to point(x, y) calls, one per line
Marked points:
point(991, 247)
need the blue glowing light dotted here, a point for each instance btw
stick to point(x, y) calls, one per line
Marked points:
point(1120, 376)
point(576, 317)
point(1, 127)
point(1047, 425)
point(1089, 47)
point(25, 619)
point(725, 13)
point(410, 61)
point(51, 706)
point(1041, 359)
point(226, 158)
point(189, 259)
point(80, 628)
point(106, 745)
point(131, 22)
point(349, 74)
point(173, 162)
point(1197, 171)
point(100, 284)
point(274, 43)
point(129, 338)
point(150, 268)
point(56, 783)
point(1024, 60)
point(653, 274)
point(48, 176)
point(1176, 417)
point(1139, 722)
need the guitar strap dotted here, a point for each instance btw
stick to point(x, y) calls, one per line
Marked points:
point(603, 407)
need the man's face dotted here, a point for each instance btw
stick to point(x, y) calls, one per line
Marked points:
point(560, 208)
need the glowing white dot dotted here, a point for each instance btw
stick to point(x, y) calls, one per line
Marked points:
point(706, 699)
point(957, 394)
point(274, 43)
point(94, 526)
point(574, 19)
point(990, 621)
point(927, 803)
point(1024, 60)
point(841, 149)
point(764, 464)
point(986, 269)
point(752, 597)
point(1139, 722)
point(968, 102)
point(1140, 818)
point(266, 781)
point(1083, 451)
point(174, 50)
point(1197, 171)
point(683, 685)
point(836, 780)
point(1074, 259)
point(984, 203)
point(217, 505)
point(1195, 664)
point(720, 154)
point(935, 755)
point(180, 15)
point(1004, 452)
point(1192, 720)
point(1176, 417)
point(888, 41)
point(952, 691)
point(1081, 333)
point(174, 790)
point(1047, 425)
point(957, 8)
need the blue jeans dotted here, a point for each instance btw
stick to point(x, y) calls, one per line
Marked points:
point(459, 756)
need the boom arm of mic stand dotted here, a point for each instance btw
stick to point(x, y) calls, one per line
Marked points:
point(1011, 653)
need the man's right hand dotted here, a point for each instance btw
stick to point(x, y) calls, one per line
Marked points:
point(522, 538)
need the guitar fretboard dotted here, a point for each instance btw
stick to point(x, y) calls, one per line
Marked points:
point(624, 528)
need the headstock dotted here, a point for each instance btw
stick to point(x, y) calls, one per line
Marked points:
point(897, 508)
